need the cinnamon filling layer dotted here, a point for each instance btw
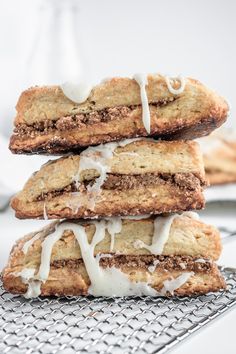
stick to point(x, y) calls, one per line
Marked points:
point(187, 181)
point(79, 120)
point(168, 263)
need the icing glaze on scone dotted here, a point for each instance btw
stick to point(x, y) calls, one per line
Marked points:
point(76, 92)
point(170, 80)
point(80, 92)
point(162, 225)
point(171, 285)
point(143, 82)
point(108, 281)
point(97, 158)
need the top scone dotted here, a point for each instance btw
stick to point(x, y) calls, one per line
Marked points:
point(49, 122)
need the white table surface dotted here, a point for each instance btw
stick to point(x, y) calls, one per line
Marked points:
point(219, 336)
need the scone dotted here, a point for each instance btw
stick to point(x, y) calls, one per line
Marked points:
point(166, 255)
point(126, 178)
point(219, 155)
point(47, 121)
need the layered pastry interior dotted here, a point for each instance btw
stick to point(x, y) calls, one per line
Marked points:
point(157, 256)
point(57, 119)
point(132, 177)
point(219, 155)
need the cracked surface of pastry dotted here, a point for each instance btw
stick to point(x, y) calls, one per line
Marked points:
point(143, 177)
point(190, 247)
point(49, 122)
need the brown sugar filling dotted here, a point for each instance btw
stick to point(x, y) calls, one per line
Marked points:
point(186, 263)
point(187, 181)
point(79, 120)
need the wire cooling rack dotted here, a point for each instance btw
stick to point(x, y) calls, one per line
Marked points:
point(105, 325)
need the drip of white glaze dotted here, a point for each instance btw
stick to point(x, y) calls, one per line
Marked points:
point(27, 277)
point(108, 281)
point(136, 217)
point(171, 285)
point(76, 92)
point(97, 158)
point(152, 267)
point(103, 255)
point(182, 265)
point(104, 282)
point(73, 203)
point(162, 225)
point(191, 214)
point(47, 246)
point(45, 215)
point(36, 235)
point(128, 141)
point(181, 88)
point(34, 289)
point(114, 226)
point(142, 80)
point(138, 244)
point(201, 260)
point(28, 243)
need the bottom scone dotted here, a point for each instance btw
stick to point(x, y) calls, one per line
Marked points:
point(167, 255)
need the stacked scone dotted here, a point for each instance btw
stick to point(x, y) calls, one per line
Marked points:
point(125, 201)
point(219, 156)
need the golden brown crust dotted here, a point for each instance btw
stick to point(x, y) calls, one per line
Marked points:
point(183, 191)
point(152, 200)
point(194, 113)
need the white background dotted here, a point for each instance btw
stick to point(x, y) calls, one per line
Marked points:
point(194, 38)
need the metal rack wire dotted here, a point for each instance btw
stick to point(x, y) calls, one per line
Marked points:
point(106, 325)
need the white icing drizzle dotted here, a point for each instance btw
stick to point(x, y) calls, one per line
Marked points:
point(76, 92)
point(47, 246)
point(108, 281)
point(152, 268)
point(142, 80)
point(201, 260)
point(162, 225)
point(173, 284)
point(97, 158)
point(181, 88)
point(114, 226)
point(45, 215)
point(34, 289)
point(74, 204)
point(182, 265)
point(36, 235)
point(30, 242)
point(27, 277)
point(136, 217)
point(191, 214)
